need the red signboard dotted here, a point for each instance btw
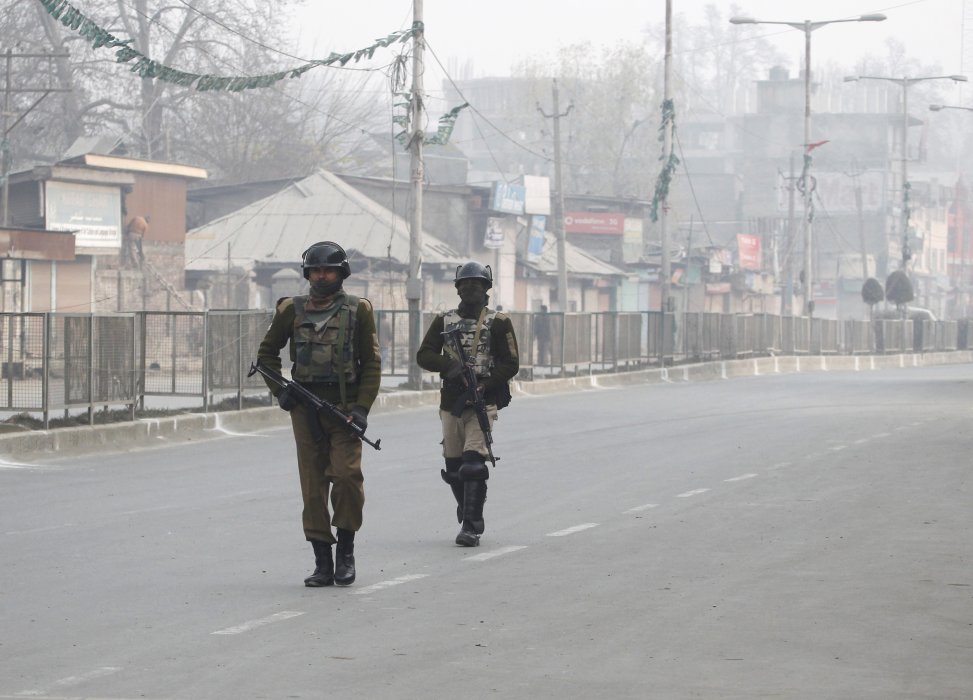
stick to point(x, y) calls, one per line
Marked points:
point(749, 250)
point(594, 222)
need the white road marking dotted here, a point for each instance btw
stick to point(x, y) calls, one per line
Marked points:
point(742, 477)
point(382, 585)
point(572, 530)
point(220, 429)
point(499, 552)
point(253, 624)
point(73, 680)
point(35, 530)
point(882, 435)
point(837, 448)
point(639, 509)
point(694, 492)
point(862, 441)
point(15, 465)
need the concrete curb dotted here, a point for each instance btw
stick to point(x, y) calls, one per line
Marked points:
point(190, 427)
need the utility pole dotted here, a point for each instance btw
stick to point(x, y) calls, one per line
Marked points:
point(562, 267)
point(689, 258)
point(787, 294)
point(861, 226)
point(807, 181)
point(906, 251)
point(666, 272)
point(413, 285)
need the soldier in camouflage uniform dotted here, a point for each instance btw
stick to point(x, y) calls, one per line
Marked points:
point(335, 355)
point(491, 346)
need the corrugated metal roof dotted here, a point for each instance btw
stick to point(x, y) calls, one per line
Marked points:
point(576, 260)
point(278, 228)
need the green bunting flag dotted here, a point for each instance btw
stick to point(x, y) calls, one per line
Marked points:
point(668, 168)
point(445, 130)
point(145, 67)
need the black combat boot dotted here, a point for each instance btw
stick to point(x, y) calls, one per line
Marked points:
point(451, 476)
point(474, 496)
point(473, 473)
point(323, 566)
point(344, 569)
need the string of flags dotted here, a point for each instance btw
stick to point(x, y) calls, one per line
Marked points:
point(145, 67)
point(669, 167)
point(443, 131)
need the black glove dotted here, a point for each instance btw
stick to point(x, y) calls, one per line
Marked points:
point(359, 416)
point(287, 399)
point(454, 369)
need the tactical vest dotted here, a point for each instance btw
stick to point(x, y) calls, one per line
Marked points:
point(324, 342)
point(476, 349)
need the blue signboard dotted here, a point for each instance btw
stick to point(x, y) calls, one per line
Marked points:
point(535, 241)
point(508, 199)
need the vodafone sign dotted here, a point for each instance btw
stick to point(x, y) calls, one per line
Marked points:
point(594, 222)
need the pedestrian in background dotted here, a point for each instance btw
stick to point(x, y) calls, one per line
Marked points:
point(542, 332)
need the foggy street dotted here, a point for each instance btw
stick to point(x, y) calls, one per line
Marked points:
point(796, 536)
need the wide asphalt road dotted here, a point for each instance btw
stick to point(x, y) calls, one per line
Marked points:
point(803, 537)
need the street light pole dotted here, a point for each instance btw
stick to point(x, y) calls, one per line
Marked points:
point(905, 83)
point(807, 26)
point(808, 188)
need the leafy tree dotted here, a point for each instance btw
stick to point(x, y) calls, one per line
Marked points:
point(872, 292)
point(898, 288)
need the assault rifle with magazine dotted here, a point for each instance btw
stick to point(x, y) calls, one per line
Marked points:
point(293, 391)
point(472, 396)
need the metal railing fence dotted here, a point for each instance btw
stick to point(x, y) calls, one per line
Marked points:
point(53, 361)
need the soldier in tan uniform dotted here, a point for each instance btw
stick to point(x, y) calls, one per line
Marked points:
point(490, 344)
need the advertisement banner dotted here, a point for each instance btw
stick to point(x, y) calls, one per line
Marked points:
point(538, 195)
point(748, 248)
point(535, 241)
point(494, 233)
point(93, 212)
point(612, 223)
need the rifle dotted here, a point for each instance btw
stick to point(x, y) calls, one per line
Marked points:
point(314, 404)
point(472, 396)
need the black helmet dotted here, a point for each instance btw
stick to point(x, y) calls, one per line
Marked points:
point(474, 270)
point(325, 254)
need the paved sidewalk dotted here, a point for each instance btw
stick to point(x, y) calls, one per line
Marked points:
point(188, 427)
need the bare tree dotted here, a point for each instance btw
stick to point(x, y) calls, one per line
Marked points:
point(609, 143)
point(239, 133)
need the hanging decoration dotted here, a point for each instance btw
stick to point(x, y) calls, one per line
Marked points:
point(443, 132)
point(668, 168)
point(145, 67)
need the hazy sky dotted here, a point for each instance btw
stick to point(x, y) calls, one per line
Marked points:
point(493, 34)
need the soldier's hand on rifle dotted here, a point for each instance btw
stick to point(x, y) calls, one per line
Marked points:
point(454, 370)
point(480, 390)
point(287, 399)
point(359, 416)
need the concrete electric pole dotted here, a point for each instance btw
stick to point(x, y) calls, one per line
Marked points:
point(562, 267)
point(413, 285)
